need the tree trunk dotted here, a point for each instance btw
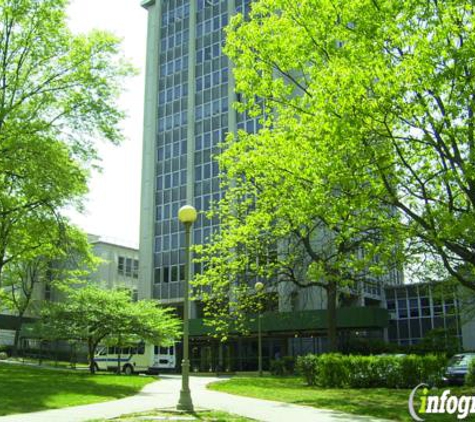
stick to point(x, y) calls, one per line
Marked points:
point(16, 340)
point(2, 263)
point(91, 349)
point(331, 314)
point(17, 334)
point(119, 350)
point(119, 355)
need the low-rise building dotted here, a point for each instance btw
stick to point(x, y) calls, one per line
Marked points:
point(118, 268)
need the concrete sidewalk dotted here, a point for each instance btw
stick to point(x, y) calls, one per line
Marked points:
point(165, 393)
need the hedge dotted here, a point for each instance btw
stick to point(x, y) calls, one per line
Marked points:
point(283, 366)
point(341, 371)
point(470, 376)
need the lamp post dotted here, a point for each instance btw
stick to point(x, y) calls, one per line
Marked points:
point(187, 215)
point(259, 287)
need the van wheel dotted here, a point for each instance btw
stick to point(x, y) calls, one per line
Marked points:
point(128, 370)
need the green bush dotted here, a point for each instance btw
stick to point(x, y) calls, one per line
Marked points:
point(333, 371)
point(3, 355)
point(411, 369)
point(470, 376)
point(7, 349)
point(338, 371)
point(373, 371)
point(307, 367)
point(283, 366)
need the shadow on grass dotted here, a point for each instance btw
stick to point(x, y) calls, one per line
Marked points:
point(381, 403)
point(27, 389)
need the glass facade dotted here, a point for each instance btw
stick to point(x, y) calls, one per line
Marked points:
point(417, 309)
point(171, 149)
point(211, 110)
point(209, 114)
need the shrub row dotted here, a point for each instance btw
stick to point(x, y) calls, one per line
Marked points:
point(470, 376)
point(340, 371)
point(283, 366)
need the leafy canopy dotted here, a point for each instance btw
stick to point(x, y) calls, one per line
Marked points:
point(58, 96)
point(92, 312)
point(95, 315)
point(386, 90)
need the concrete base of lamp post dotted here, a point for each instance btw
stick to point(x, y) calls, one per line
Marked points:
point(185, 403)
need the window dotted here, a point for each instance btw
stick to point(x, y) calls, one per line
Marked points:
point(166, 242)
point(174, 273)
point(157, 278)
point(135, 268)
point(128, 267)
point(121, 265)
point(402, 313)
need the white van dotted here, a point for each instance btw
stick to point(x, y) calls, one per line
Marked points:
point(141, 358)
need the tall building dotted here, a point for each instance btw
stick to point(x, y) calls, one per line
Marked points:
point(188, 111)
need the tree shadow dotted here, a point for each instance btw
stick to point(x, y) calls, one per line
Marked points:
point(29, 389)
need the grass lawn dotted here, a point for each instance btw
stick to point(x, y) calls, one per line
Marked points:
point(28, 389)
point(199, 415)
point(380, 402)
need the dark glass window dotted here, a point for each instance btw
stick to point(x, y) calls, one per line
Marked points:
point(403, 329)
point(166, 274)
point(157, 276)
point(402, 304)
point(174, 273)
point(415, 328)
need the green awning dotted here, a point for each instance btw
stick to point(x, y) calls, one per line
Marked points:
point(351, 318)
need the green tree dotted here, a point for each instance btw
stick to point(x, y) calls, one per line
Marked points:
point(292, 220)
point(63, 257)
point(57, 97)
point(94, 315)
point(386, 84)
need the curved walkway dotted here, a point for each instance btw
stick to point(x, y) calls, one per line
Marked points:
point(165, 393)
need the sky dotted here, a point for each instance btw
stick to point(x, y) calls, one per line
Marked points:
point(112, 207)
